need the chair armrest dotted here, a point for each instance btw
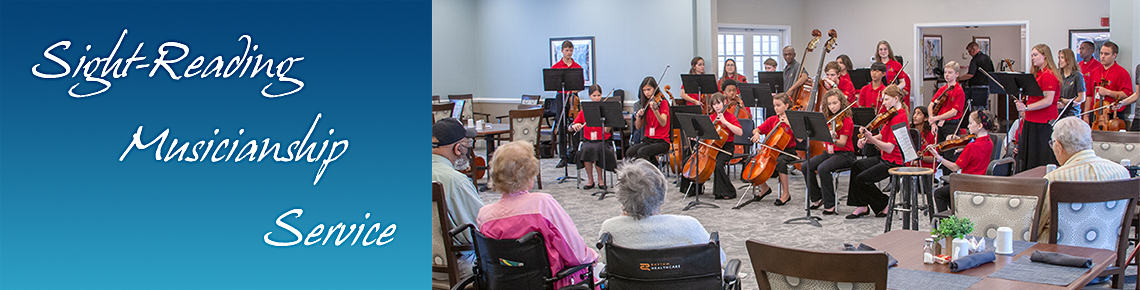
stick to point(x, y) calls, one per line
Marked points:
point(944, 214)
point(526, 238)
point(566, 272)
point(463, 284)
point(731, 270)
point(714, 237)
point(460, 229)
point(606, 238)
point(500, 119)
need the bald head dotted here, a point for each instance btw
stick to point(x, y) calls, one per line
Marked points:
point(789, 54)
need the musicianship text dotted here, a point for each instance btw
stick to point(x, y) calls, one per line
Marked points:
point(249, 152)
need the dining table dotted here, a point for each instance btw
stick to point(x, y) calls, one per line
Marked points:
point(907, 247)
point(1036, 172)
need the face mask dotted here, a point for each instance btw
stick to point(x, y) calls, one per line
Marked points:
point(463, 163)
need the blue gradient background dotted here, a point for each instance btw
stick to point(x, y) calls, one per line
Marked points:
point(73, 216)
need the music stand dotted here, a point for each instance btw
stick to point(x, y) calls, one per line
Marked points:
point(1011, 84)
point(699, 84)
point(603, 114)
point(757, 96)
point(861, 77)
point(861, 116)
point(813, 125)
point(699, 126)
point(979, 96)
point(563, 80)
point(774, 79)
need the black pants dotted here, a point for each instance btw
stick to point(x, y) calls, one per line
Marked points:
point(947, 129)
point(648, 149)
point(823, 165)
point(864, 174)
point(722, 183)
point(1135, 125)
point(1033, 147)
point(942, 198)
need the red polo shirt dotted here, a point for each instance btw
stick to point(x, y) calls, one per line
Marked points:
point(720, 83)
point(561, 64)
point(893, 68)
point(731, 120)
point(928, 138)
point(895, 156)
point(770, 124)
point(1117, 78)
point(847, 129)
point(869, 97)
point(955, 99)
point(847, 87)
point(976, 156)
point(656, 130)
point(590, 133)
point(1088, 67)
point(1048, 82)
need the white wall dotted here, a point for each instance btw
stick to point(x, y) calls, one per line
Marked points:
point(1125, 31)
point(633, 39)
point(454, 47)
point(1005, 42)
point(767, 12)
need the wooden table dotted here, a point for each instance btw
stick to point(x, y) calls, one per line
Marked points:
point(1036, 172)
point(491, 131)
point(906, 246)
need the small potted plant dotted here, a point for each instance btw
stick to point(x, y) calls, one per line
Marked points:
point(952, 228)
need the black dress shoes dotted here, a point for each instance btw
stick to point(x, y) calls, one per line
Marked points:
point(766, 193)
point(855, 216)
point(782, 202)
point(561, 163)
point(829, 212)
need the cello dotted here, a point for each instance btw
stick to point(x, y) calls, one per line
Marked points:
point(676, 156)
point(801, 98)
point(699, 168)
point(760, 167)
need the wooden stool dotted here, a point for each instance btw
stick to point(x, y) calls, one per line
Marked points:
point(908, 180)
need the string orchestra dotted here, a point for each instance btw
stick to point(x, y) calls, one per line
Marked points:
point(945, 131)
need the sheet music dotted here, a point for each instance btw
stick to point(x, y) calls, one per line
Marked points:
point(902, 136)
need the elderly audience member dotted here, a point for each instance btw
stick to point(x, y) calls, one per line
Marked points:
point(1071, 142)
point(513, 172)
point(641, 191)
point(451, 145)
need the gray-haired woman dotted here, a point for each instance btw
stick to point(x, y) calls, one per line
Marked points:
point(641, 191)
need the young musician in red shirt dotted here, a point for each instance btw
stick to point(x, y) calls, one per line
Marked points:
point(698, 68)
point(1033, 144)
point(722, 183)
point(832, 80)
point(1089, 66)
point(975, 156)
point(654, 119)
point(564, 97)
point(864, 194)
point(594, 149)
point(730, 73)
point(1119, 83)
point(886, 55)
point(953, 103)
point(919, 123)
point(780, 104)
point(840, 154)
point(869, 95)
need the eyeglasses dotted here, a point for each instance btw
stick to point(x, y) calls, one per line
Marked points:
point(1051, 142)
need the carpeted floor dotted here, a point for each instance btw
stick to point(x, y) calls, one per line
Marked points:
point(761, 221)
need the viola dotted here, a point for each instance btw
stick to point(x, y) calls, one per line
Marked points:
point(937, 103)
point(954, 143)
point(881, 119)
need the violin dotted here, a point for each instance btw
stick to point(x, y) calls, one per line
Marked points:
point(881, 119)
point(477, 169)
point(1103, 123)
point(953, 144)
point(937, 103)
point(801, 98)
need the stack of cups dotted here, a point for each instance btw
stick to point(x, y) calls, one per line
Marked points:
point(1004, 242)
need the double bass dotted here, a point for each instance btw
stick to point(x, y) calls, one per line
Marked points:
point(1103, 122)
point(819, 147)
point(800, 98)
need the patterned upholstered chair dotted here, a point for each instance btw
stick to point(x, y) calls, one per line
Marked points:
point(1117, 145)
point(440, 111)
point(995, 201)
point(443, 249)
point(524, 126)
point(785, 268)
point(1094, 215)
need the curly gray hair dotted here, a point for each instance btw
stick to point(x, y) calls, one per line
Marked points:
point(1074, 134)
point(640, 188)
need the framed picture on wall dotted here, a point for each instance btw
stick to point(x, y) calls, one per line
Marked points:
point(983, 44)
point(1097, 36)
point(931, 57)
point(583, 54)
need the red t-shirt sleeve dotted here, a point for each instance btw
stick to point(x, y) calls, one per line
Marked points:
point(959, 101)
point(847, 129)
point(975, 157)
point(581, 118)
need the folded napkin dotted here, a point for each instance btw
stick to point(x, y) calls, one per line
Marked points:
point(971, 261)
point(1060, 259)
point(891, 261)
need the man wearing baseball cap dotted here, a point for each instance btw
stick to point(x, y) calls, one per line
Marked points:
point(451, 143)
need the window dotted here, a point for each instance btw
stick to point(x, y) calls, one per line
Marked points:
point(749, 47)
